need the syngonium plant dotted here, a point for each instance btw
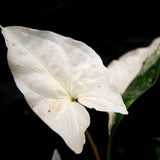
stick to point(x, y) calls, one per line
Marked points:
point(59, 77)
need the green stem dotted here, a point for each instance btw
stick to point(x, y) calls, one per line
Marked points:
point(109, 148)
point(94, 148)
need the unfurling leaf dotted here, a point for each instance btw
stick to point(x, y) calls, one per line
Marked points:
point(58, 76)
point(134, 73)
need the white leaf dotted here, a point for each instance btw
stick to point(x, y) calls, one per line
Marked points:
point(125, 69)
point(53, 71)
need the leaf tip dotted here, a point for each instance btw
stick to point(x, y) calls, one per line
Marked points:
point(125, 112)
point(1, 26)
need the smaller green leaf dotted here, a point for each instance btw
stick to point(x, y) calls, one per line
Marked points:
point(144, 80)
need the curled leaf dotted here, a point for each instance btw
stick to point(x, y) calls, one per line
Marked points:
point(134, 73)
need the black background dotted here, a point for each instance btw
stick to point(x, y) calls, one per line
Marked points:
point(111, 28)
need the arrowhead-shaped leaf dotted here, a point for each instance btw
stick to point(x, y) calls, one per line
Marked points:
point(58, 77)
